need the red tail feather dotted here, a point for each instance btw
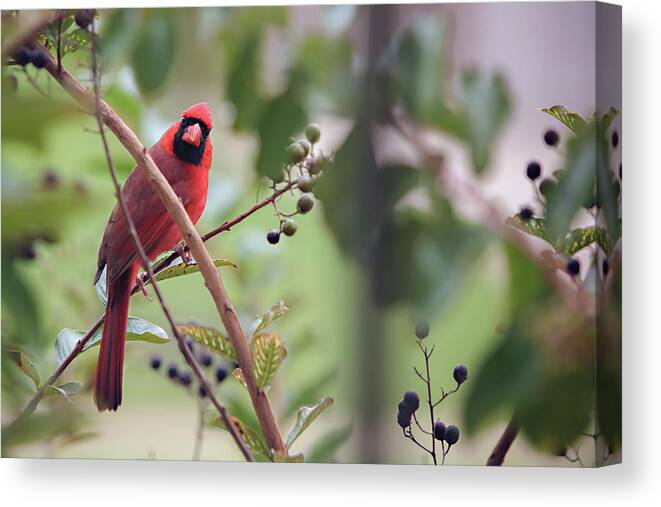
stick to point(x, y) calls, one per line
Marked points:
point(109, 368)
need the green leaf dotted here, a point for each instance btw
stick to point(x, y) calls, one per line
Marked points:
point(534, 226)
point(268, 351)
point(19, 301)
point(579, 238)
point(137, 330)
point(575, 186)
point(487, 105)
point(326, 446)
point(178, 268)
point(153, 54)
point(66, 390)
point(253, 440)
point(283, 117)
point(275, 312)
point(420, 64)
point(607, 118)
point(25, 364)
point(119, 32)
point(305, 417)
point(508, 376)
point(73, 41)
point(574, 121)
point(527, 282)
point(244, 74)
point(210, 338)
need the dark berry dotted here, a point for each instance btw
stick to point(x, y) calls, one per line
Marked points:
point(50, 180)
point(202, 391)
point(534, 170)
point(605, 267)
point(173, 372)
point(460, 373)
point(206, 358)
point(422, 330)
point(306, 183)
point(155, 362)
point(620, 171)
point(573, 267)
point(526, 214)
point(412, 400)
point(404, 420)
point(451, 434)
point(84, 17)
point(305, 203)
point(615, 138)
point(313, 132)
point(39, 57)
point(296, 152)
point(551, 137)
point(190, 343)
point(27, 251)
point(547, 186)
point(22, 56)
point(221, 374)
point(439, 430)
point(289, 227)
point(273, 236)
point(403, 408)
point(185, 378)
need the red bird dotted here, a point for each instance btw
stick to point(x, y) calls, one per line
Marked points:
point(183, 154)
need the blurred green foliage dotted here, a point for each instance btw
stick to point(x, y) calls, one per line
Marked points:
point(384, 248)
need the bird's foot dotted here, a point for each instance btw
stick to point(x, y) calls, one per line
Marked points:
point(183, 252)
point(140, 279)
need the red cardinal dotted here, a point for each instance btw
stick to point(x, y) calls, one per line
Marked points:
point(183, 154)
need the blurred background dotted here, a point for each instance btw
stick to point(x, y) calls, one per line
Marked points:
point(383, 249)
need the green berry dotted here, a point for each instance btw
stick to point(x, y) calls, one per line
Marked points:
point(289, 227)
point(317, 164)
point(422, 330)
point(547, 186)
point(313, 132)
point(306, 183)
point(296, 152)
point(305, 203)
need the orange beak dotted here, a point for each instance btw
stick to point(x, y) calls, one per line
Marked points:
point(193, 135)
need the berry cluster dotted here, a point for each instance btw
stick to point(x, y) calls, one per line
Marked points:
point(545, 186)
point(448, 435)
point(183, 377)
point(37, 56)
point(305, 165)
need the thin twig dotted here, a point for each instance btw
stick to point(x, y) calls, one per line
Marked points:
point(199, 432)
point(190, 358)
point(208, 270)
point(429, 402)
point(445, 394)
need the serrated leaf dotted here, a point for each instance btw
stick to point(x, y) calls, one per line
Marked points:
point(581, 237)
point(178, 268)
point(268, 351)
point(534, 226)
point(574, 121)
point(136, 330)
point(296, 458)
point(210, 338)
point(263, 321)
point(305, 417)
point(24, 364)
point(253, 440)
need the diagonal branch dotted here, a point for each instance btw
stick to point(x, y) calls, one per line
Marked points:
point(192, 238)
point(190, 358)
point(504, 443)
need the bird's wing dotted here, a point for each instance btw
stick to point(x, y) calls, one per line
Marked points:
point(152, 221)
